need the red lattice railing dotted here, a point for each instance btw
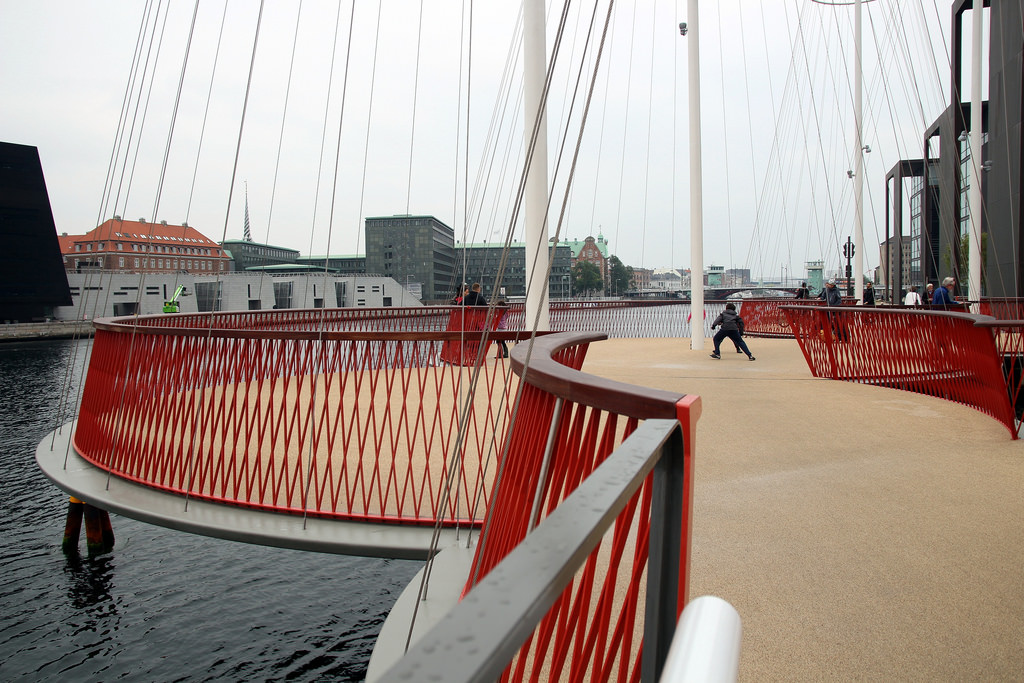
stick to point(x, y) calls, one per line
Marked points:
point(365, 425)
point(568, 424)
point(949, 355)
point(764, 317)
point(357, 425)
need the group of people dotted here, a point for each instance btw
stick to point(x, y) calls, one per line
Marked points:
point(934, 298)
point(473, 296)
point(941, 297)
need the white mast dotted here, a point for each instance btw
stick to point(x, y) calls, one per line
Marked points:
point(974, 196)
point(537, 254)
point(696, 190)
point(858, 171)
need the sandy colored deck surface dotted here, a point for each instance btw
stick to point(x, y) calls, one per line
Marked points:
point(861, 533)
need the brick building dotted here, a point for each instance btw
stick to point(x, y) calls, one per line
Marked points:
point(143, 247)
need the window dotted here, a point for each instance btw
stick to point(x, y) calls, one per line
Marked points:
point(120, 261)
point(136, 263)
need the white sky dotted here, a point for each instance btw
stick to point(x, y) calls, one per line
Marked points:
point(777, 120)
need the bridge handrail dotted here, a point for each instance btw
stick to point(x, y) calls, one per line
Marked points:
point(326, 424)
point(568, 424)
point(484, 632)
point(947, 354)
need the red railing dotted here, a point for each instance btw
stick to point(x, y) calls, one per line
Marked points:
point(764, 318)
point(370, 425)
point(356, 425)
point(1009, 339)
point(567, 424)
point(620, 319)
point(942, 354)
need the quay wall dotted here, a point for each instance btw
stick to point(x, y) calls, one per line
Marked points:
point(55, 329)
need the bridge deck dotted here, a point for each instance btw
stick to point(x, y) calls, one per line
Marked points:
point(862, 533)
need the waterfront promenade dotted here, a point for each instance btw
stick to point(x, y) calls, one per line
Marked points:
point(862, 533)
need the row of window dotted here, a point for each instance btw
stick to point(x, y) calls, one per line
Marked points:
point(151, 249)
point(157, 264)
point(130, 235)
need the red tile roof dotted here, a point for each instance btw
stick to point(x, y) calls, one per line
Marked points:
point(143, 232)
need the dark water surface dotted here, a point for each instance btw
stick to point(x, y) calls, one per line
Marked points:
point(164, 605)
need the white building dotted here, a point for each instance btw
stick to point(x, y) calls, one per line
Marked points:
point(101, 294)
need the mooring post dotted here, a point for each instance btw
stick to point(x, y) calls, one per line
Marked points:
point(73, 525)
point(99, 535)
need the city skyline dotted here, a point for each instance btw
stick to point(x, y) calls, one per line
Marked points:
point(768, 207)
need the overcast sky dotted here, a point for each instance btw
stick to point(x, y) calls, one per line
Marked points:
point(776, 106)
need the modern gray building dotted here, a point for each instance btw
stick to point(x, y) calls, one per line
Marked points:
point(935, 188)
point(248, 254)
point(417, 251)
point(483, 262)
point(352, 264)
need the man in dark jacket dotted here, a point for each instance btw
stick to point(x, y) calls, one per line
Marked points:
point(833, 298)
point(732, 327)
point(831, 294)
point(474, 298)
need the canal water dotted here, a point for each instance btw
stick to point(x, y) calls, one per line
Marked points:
point(164, 605)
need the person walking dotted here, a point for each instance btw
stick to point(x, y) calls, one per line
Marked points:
point(944, 295)
point(869, 294)
point(502, 326)
point(912, 298)
point(474, 298)
point(833, 298)
point(802, 292)
point(732, 327)
point(831, 294)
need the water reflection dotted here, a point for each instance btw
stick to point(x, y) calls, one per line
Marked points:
point(89, 582)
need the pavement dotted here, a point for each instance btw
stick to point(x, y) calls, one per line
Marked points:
point(861, 533)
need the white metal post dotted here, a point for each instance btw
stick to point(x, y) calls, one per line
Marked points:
point(535, 67)
point(696, 190)
point(858, 171)
point(974, 196)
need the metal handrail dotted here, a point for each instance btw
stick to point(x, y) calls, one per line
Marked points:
point(479, 637)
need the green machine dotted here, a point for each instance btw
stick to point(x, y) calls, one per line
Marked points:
point(171, 305)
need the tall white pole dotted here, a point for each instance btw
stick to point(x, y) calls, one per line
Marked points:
point(535, 67)
point(974, 197)
point(858, 171)
point(696, 189)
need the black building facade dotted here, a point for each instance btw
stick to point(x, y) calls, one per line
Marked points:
point(32, 277)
